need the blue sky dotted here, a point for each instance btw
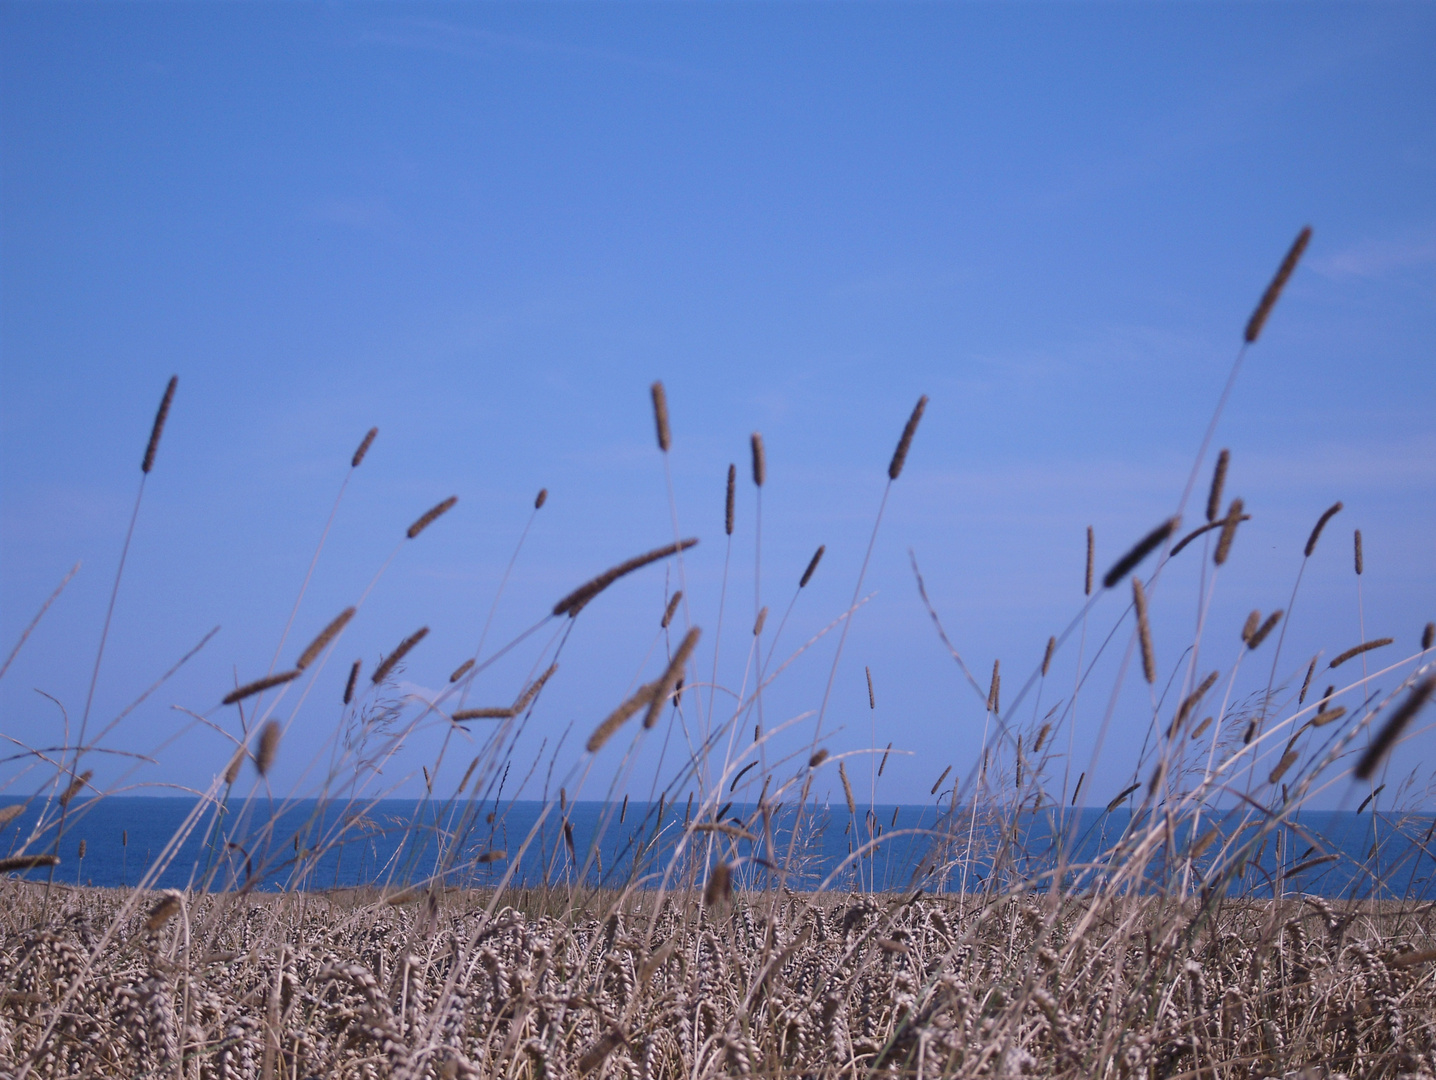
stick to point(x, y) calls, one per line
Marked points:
point(486, 230)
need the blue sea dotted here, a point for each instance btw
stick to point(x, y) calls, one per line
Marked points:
point(307, 844)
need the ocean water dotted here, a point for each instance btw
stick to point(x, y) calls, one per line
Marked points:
point(174, 843)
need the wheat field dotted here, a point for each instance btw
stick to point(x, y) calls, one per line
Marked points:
point(1181, 943)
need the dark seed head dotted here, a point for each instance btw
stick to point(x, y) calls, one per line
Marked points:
point(159, 426)
point(369, 437)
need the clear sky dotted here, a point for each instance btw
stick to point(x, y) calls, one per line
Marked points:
point(486, 229)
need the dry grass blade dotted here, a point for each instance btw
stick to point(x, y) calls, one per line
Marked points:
point(319, 644)
point(388, 663)
point(1229, 532)
point(268, 746)
point(260, 685)
point(75, 786)
point(760, 459)
point(1260, 633)
point(349, 686)
point(674, 674)
point(1144, 631)
point(660, 416)
point(1144, 547)
point(369, 437)
point(1357, 650)
point(1391, 730)
point(574, 601)
point(905, 442)
point(1219, 480)
point(673, 602)
point(616, 719)
point(11, 863)
point(812, 566)
point(1330, 512)
point(159, 426)
point(431, 516)
point(1273, 291)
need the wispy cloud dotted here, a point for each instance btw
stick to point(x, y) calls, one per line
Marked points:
point(371, 213)
point(477, 43)
point(1373, 258)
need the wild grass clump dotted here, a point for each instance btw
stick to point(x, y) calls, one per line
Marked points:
point(1200, 925)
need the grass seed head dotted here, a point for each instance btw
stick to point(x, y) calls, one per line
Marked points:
point(1330, 512)
point(574, 602)
point(268, 745)
point(430, 516)
point(1278, 282)
point(1219, 480)
point(164, 909)
point(728, 500)
point(12, 863)
point(812, 566)
point(1260, 633)
point(1143, 547)
point(1229, 532)
point(159, 425)
point(328, 634)
point(387, 665)
point(1391, 730)
point(75, 786)
point(369, 437)
point(660, 416)
point(905, 442)
point(260, 685)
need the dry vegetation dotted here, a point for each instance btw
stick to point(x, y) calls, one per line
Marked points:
point(1152, 954)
